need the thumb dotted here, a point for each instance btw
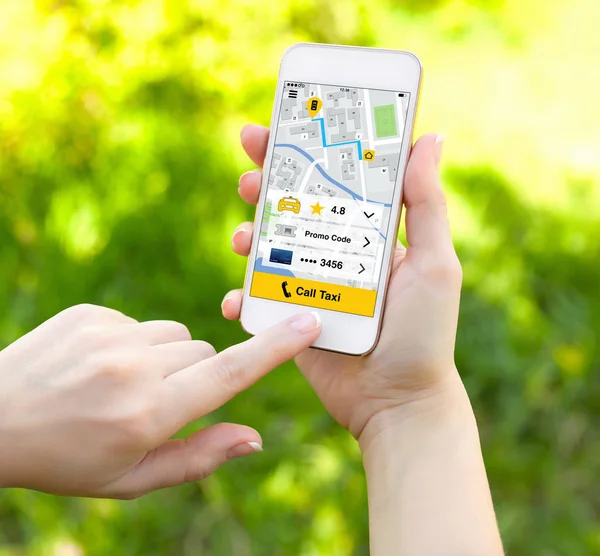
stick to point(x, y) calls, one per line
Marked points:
point(207, 385)
point(185, 460)
point(427, 228)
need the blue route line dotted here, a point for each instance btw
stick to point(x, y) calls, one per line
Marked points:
point(334, 182)
point(328, 177)
point(324, 139)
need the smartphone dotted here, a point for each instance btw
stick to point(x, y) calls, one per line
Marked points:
point(327, 218)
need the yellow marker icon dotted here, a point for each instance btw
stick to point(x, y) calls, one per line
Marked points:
point(368, 155)
point(313, 105)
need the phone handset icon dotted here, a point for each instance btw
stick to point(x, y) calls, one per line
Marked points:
point(285, 290)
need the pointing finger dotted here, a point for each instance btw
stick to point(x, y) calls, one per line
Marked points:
point(204, 387)
point(157, 332)
point(174, 356)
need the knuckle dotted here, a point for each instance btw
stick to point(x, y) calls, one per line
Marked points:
point(111, 366)
point(91, 337)
point(86, 313)
point(198, 469)
point(439, 197)
point(205, 350)
point(181, 331)
point(226, 372)
point(445, 270)
point(132, 494)
point(140, 426)
point(83, 312)
point(455, 271)
point(114, 368)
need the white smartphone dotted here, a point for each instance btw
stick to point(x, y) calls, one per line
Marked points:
point(327, 218)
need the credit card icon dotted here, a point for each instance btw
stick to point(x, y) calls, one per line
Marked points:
point(281, 256)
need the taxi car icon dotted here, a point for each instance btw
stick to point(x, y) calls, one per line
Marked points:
point(289, 203)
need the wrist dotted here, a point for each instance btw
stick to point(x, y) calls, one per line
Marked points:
point(428, 490)
point(444, 408)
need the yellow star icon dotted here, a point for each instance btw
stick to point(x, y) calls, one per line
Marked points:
point(316, 209)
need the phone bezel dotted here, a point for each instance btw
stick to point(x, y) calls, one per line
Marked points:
point(345, 66)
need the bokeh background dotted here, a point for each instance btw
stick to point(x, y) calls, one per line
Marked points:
point(119, 161)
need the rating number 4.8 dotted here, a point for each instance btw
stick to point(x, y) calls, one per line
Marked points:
point(338, 210)
point(332, 264)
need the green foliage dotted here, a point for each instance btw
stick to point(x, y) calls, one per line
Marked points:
point(118, 174)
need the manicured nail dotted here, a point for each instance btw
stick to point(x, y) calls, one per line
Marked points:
point(225, 300)
point(439, 145)
point(244, 449)
point(243, 131)
point(237, 235)
point(246, 175)
point(306, 322)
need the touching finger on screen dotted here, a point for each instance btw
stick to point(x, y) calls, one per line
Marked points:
point(202, 388)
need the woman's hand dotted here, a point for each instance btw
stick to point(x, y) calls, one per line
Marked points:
point(428, 491)
point(414, 359)
point(89, 400)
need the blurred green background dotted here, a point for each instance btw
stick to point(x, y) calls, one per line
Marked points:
point(119, 161)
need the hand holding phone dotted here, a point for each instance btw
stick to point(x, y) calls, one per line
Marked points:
point(414, 358)
point(405, 402)
point(415, 353)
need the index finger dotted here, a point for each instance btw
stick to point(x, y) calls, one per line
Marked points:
point(254, 140)
point(207, 385)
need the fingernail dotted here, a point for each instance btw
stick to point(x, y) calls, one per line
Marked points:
point(244, 449)
point(225, 300)
point(245, 175)
point(306, 322)
point(439, 146)
point(244, 130)
point(239, 232)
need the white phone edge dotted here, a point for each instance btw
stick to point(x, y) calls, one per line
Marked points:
point(337, 65)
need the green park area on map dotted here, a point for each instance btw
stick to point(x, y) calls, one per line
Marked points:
point(385, 121)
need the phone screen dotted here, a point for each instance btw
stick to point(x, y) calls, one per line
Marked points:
point(329, 197)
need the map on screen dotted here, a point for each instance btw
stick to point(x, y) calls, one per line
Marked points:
point(331, 185)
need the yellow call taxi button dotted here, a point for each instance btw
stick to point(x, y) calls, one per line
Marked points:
point(314, 294)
